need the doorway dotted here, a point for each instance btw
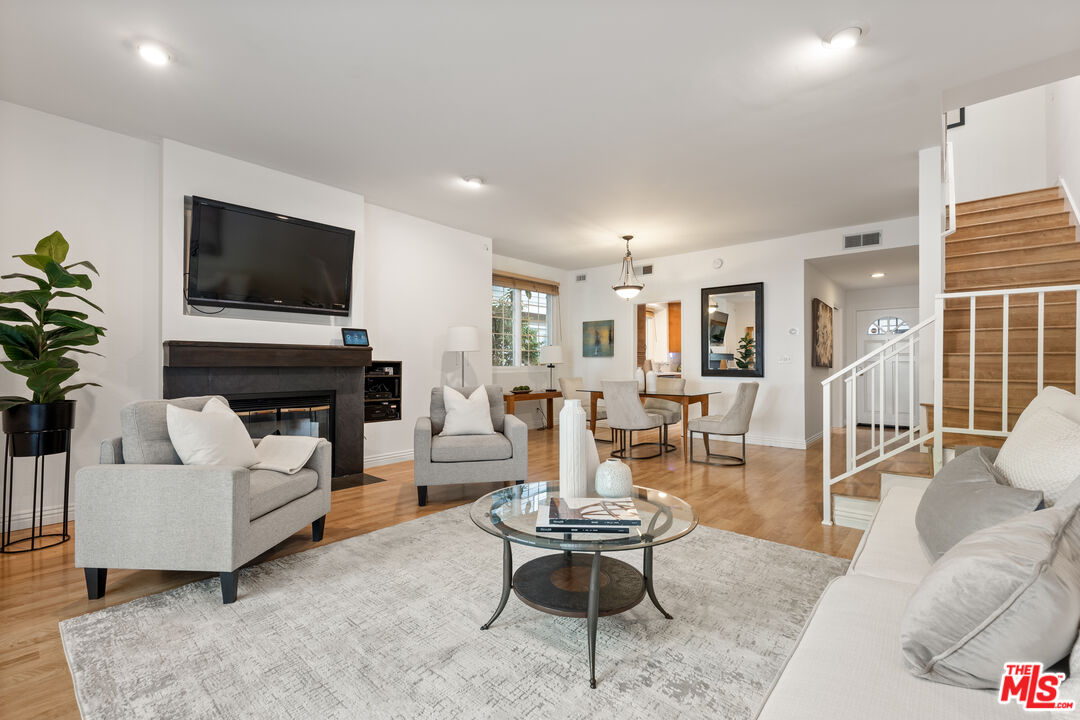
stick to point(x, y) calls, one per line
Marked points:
point(893, 379)
point(659, 338)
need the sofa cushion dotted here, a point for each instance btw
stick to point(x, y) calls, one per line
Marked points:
point(269, 490)
point(145, 431)
point(1003, 594)
point(890, 546)
point(966, 495)
point(495, 403)
point(1042, 453)
point(847, 665)
point(470, 448)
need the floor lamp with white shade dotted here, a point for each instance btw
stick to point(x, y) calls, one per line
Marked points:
point(551, 355)
point(463, 339)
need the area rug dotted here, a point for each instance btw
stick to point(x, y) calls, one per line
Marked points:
point(387, 625)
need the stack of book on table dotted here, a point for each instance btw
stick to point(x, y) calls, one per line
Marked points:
point(616, 516)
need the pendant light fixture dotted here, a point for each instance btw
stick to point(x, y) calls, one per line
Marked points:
point(628, 285)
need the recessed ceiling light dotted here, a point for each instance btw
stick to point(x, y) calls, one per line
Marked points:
point(877, 275)
point(844, 39)
point(153, 54)
point(472, 181)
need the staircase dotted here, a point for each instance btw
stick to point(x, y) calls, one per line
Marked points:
point(1023, 240)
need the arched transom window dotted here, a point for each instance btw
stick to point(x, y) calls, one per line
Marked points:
point(888, 325)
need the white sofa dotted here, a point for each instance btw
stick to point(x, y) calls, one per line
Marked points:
point(847, 665)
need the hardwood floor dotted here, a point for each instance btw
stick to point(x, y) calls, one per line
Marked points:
point(775, 496)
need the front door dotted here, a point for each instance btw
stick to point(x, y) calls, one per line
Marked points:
point(883, 391)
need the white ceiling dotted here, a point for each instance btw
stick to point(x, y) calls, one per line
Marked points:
point(690, 124)
point(851, 270)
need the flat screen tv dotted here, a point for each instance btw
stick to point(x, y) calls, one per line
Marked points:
point(245, 258)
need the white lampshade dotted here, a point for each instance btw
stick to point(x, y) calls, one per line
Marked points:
point(463, 338)
point(551, 355)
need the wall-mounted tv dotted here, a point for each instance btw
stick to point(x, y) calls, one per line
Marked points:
point(245, 258)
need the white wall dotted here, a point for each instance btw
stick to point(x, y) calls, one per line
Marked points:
point(421, 279)
point(534, 377)
point(1063, 134)
point(1001, 148)
point(778, 263)
point(188, 170)
point(816, 285)
point(101, 190)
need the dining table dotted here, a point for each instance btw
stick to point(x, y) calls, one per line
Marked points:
point(691, 394)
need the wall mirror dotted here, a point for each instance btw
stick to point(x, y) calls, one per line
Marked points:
point(733, 330)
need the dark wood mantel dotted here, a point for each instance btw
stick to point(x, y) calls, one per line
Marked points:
point(193, 354)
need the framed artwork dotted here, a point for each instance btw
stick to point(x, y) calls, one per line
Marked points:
point(821, 350)
point(598, 338)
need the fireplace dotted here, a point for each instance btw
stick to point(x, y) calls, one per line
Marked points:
point(291, 389)
point(286, 413)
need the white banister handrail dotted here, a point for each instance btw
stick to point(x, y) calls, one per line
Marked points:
point(877, 351)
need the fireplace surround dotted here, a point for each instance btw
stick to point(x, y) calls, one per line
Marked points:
point(243, 371)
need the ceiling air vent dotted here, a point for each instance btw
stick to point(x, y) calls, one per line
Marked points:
point(581, 277)
point(862, 240)
point(646, 269)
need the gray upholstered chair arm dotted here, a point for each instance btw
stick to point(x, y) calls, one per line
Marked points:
point(167, 517)
point(321, 462)
point(422, 441)
point(111, 452)
point(517, 432)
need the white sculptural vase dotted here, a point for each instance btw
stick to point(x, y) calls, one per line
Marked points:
point(639, 375)
point(573, 478)
point(650, 381)
point(614, 479)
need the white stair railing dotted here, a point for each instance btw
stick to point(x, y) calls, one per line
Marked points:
point(873, 385)
point(985, 428)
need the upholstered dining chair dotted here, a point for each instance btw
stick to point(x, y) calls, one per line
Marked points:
point(667, 409)
point(627, 416)
point(736, 421)
point(572, 388)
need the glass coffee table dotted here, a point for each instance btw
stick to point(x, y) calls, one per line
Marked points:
point(579, 580)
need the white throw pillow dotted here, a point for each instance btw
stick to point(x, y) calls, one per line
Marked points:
point(467, 416)
point(1060, 401)
point(1042, 453)
point(215, 436)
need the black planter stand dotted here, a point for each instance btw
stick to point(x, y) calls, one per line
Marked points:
point(37, 431)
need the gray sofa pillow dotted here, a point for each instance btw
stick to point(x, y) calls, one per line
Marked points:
point(968, 494)
point(1007, 592)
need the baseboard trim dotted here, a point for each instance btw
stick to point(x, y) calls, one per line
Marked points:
point(52, 515)
point(773, 441)
point(387, 458)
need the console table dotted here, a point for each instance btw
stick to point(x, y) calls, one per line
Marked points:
point(549, 395)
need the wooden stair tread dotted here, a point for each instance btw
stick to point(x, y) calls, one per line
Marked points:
point(1013, 225)
point(1010, 212)
point(1026, 248)
point(1009, 200)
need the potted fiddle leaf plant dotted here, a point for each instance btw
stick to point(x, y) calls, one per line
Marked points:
point(39, 339)
point(744, 360)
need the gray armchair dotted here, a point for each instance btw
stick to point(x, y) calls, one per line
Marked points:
point(142, 509)
point(460, 459)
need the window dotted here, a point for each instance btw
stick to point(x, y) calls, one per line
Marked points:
point(521, 319)
point(887, 326)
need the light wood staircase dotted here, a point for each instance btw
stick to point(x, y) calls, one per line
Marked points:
point(1027, 239)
